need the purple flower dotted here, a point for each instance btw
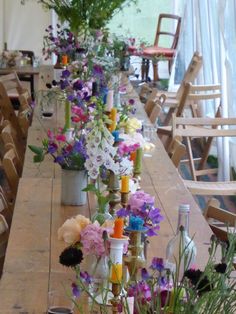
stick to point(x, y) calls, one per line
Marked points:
point(78, 85)
point(60, 160)
point(123, 212)
point(75, 290)
point(155, 216)
point(65, 74)
point(144, 274)
point(97, 70)
point(64, 84)
point(157, 264)
point(85, 277)
point(71, 97)
point(52, 148)
point(131, 101)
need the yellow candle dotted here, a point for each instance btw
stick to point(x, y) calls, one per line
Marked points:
point(64, 59)
point(125, 184)
point(116, 273)
point(118, 228)
point(112, 117)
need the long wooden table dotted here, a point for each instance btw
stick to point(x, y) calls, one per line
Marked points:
point(31, 266)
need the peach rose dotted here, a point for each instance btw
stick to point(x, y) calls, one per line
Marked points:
point(82, 221)
point(69, 231)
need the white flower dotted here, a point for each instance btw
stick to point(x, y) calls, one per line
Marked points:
point(88, 164)
point(93, 173)
point(126, 166)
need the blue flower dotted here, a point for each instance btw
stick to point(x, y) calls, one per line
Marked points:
point(52, 148)
point(157, 264)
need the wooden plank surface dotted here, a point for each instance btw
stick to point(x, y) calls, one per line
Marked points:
point(31, 268)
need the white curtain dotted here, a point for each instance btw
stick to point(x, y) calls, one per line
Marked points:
point(209, 27)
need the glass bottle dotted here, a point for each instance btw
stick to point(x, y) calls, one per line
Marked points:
point(181, 250)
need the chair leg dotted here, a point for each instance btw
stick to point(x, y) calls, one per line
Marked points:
point(155, 71)
point(144, 70)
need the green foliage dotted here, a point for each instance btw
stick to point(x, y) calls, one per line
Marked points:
point(86, 14)
point(102, 199)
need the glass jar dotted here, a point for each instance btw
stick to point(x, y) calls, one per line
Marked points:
point(135, 258)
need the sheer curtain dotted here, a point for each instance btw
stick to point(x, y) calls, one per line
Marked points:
point(210, 27)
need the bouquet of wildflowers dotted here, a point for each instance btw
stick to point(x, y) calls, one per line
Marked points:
point(63, 42)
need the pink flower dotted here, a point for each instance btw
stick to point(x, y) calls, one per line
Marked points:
point(61, 138)
point(50, 135)
point(92, 240)
point(138, 199)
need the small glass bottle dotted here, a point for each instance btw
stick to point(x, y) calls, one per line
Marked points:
point(181, 250)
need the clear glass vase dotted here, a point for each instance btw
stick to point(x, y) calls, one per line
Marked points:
point(135, 257)
point(101, 215)
point(99, 270)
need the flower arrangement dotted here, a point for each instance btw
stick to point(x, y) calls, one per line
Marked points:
point(69, 155)
point(142, 213)
point(11, 56)
point(64, 42)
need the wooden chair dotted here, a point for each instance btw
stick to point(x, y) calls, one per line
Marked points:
point(8, 112)
point(10, 167)
point(219, 220)
point(10, 140)
point(4, 234)
point(191, 97)
point(172, 98)
point(153, 108)
point(157, 53)
point(199, 128)
point(176, 151)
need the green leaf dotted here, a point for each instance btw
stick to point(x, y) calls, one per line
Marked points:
point(90, 188)
point(38, 158)
point(35, 149)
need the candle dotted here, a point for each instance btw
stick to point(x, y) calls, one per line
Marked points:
point(112, 117)
point(109, 100)
point(64, 59)
point(133, 156)
point(67, 115)
point(118, 228)
point(116, 273)
point(125, 184)
point(138, 160)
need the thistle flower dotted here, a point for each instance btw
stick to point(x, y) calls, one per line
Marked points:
point(71, 257)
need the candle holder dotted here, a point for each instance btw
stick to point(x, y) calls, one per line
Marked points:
point(124, 199)
point(113, 188)
point(116, 255)
point(135, 259)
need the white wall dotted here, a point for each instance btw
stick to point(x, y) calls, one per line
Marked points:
point(1, 25)
point(24, 25)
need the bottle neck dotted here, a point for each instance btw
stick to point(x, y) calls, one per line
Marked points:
point(183, 220)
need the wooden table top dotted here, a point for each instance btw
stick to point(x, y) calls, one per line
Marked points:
point(27, 70)
point(31, 267)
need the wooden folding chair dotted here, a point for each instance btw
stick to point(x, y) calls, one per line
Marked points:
point(176, 151)
point(9, 114)
point(219, 220)
point(199, 128)
point(10, 140)
point(192, 97)
point(11, 170)
point(4, 234)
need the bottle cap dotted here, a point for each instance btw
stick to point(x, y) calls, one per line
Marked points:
point(184, 208)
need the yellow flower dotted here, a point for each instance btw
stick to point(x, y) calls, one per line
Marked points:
point(132, 124)
point(69, 231)
point(82, 221)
